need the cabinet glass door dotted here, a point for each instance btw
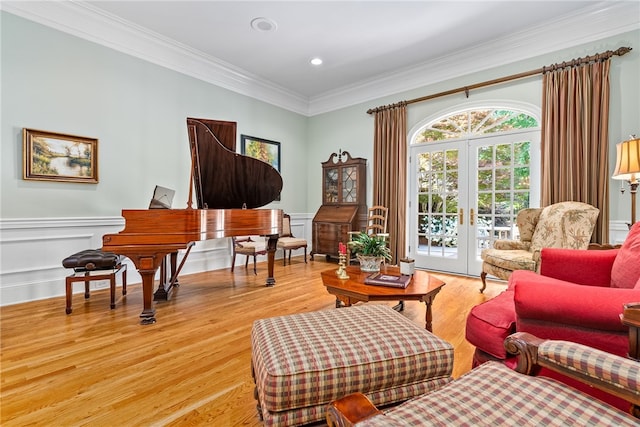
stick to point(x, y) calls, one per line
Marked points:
point(349, 184)
point(331, 185)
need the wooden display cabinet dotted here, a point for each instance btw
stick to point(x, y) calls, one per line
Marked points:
point(344, 207)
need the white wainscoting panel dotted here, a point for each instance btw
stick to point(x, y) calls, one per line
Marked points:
point(32, 250)
point(618, 231)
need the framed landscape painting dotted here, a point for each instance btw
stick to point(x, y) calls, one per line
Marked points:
point(261, 149)
point(50, 156)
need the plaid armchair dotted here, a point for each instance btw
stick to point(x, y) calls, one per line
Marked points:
point(492, 394)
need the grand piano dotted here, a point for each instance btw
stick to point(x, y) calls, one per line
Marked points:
point(229, 188)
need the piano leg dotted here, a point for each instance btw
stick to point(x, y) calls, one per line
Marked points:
point(271, 256)
point(148, 314)
point(169, 280)
point(168, 277)
point(147, 267)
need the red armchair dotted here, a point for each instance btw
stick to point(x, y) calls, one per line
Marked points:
point(578, 296)
point(572, 299)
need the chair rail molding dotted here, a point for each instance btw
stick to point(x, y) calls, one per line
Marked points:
point(32, 250)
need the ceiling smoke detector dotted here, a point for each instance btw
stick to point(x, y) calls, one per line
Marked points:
point(263, 24)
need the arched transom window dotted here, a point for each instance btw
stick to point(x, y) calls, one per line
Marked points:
point(473, 123)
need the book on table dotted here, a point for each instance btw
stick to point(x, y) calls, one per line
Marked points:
point(383, 279)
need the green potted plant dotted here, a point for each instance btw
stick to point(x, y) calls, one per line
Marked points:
point(370, 250)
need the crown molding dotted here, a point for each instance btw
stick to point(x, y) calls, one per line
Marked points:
point(85, 21)
point(603, 19)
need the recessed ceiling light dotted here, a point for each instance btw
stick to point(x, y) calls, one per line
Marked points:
point(316, 61)
point(263, 24)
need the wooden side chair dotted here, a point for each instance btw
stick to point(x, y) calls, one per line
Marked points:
point(377, 220)
point(288, 242)
point(248, 247)
point(376, 224)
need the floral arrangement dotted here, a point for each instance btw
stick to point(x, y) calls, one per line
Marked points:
point(370, 245)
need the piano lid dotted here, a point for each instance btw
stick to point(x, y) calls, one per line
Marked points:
point(224, 179)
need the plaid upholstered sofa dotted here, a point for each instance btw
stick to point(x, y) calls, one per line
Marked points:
point(561, 225)
point(494, 395)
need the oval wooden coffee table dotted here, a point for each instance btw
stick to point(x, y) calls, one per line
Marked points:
point(423, 287)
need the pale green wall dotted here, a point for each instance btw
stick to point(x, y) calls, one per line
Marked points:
point(57, 82)
point(352, 129)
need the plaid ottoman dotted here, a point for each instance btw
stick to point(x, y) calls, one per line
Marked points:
point(304, 361)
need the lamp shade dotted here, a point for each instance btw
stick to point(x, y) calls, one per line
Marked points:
point(627, 160)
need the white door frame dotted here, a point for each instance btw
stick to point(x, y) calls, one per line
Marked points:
point(472, 265)
point(455, 260)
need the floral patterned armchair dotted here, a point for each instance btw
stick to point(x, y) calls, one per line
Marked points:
point(566, 225)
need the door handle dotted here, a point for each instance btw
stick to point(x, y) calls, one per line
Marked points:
point(461, 216)
point(471, 219)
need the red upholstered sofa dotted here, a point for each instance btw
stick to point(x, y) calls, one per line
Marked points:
point(578, 296)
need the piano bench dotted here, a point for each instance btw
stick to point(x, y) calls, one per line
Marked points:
point(94, 264)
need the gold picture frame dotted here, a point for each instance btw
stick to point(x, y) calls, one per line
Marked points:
point(51, 156)
point(261, 149)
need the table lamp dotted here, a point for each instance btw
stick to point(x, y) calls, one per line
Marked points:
point(628, 169)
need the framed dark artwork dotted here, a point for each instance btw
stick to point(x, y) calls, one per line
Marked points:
point(50, 156)
point(261, 149)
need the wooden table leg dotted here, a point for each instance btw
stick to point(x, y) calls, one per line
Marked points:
point(399, 306)
point(428, 316)
point(342, 301)
point(631, 318)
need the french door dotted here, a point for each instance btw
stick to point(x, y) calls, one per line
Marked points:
point(466, 193)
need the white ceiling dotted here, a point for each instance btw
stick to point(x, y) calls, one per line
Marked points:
point(370, 48)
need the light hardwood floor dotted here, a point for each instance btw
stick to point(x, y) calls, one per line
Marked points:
point(100, 367)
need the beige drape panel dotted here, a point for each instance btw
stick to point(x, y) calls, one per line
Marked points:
point(390, 172)
point(575, 122)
